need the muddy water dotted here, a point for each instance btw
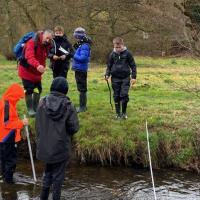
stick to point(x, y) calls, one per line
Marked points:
point(97, 183)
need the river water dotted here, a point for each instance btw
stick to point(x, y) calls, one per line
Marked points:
point(105, 183)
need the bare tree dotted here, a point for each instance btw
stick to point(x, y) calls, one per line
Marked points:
point(147, 26)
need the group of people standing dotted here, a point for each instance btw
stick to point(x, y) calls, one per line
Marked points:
point(56, 117)
point(56, 47)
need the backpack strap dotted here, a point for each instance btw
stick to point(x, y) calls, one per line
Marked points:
point(23, 61)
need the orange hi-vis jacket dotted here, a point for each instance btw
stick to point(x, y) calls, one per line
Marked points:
point(10, 123)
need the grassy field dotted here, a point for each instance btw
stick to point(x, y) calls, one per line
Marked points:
point(165, 95)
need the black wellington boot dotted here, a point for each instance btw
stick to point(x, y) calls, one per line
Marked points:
point(117, 109)
point(124, 106)
point(44, 194)
point(29, 104)
point(83, 102)
point(36, 99)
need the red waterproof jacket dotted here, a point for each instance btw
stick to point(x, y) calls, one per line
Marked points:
point(35, 57)
point(10, 122)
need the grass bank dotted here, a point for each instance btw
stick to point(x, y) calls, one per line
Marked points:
point(164, 96)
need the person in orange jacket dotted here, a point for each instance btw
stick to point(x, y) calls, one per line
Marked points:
point(10, 126)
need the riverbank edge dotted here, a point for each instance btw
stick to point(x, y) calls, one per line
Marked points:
point(137, 159)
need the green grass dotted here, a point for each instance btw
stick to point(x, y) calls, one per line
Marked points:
point(164, 96)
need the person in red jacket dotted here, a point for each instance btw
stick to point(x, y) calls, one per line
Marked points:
point(33, 66)
point(10, 126)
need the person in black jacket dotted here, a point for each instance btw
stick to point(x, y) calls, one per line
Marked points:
point(60, 53)
point(122, 68)
point(56, 122)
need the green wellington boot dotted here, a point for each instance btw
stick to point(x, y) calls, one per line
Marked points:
point(29, 104)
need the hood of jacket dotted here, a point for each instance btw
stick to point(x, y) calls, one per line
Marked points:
point(14, 93)
point(55, 105)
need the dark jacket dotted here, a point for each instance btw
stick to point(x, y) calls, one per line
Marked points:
point(56, 122)
point(59, 43)
point(121, 65)
point(81, 57)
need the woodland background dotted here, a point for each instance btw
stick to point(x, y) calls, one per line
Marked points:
point(149, 27)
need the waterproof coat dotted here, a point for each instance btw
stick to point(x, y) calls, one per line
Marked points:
point(81, 57)
point(9, 121)
point(56, 122)
point(60, 43)
point(121, 65)
point(35, 54)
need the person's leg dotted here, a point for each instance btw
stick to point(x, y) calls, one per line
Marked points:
point(64, 69)
point(81, 81)
point(55, 74)
point(10, 158)
point(56, 70)
point(29, 87)
point(58, 178)
point(2, 159)
point(116, 86)
point(36, 94)
point(47, 181)
point(124, 96)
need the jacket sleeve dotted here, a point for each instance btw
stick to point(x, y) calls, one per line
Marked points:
point(72, 124)
point(51, 52)
point(84, 53)
point(132, 65)
point(14, 124)
point(37, 117)
point(109, 65)
point(71, 52)
point(30, 54)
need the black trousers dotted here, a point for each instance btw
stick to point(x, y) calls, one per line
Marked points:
point(60, 69)
point(8, 158)
point(120, 89)
point(81, 81)
point(54, 175)
point(31, 87)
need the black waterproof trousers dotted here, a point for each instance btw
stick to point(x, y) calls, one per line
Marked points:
point(120, 89)
point(31, 87)
point(60, 69)
point(8, 158)
point(81, 81)
point(54, 175)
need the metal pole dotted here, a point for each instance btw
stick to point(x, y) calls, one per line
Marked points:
point(110, 93)
point(30, 151)
point(150, 165)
